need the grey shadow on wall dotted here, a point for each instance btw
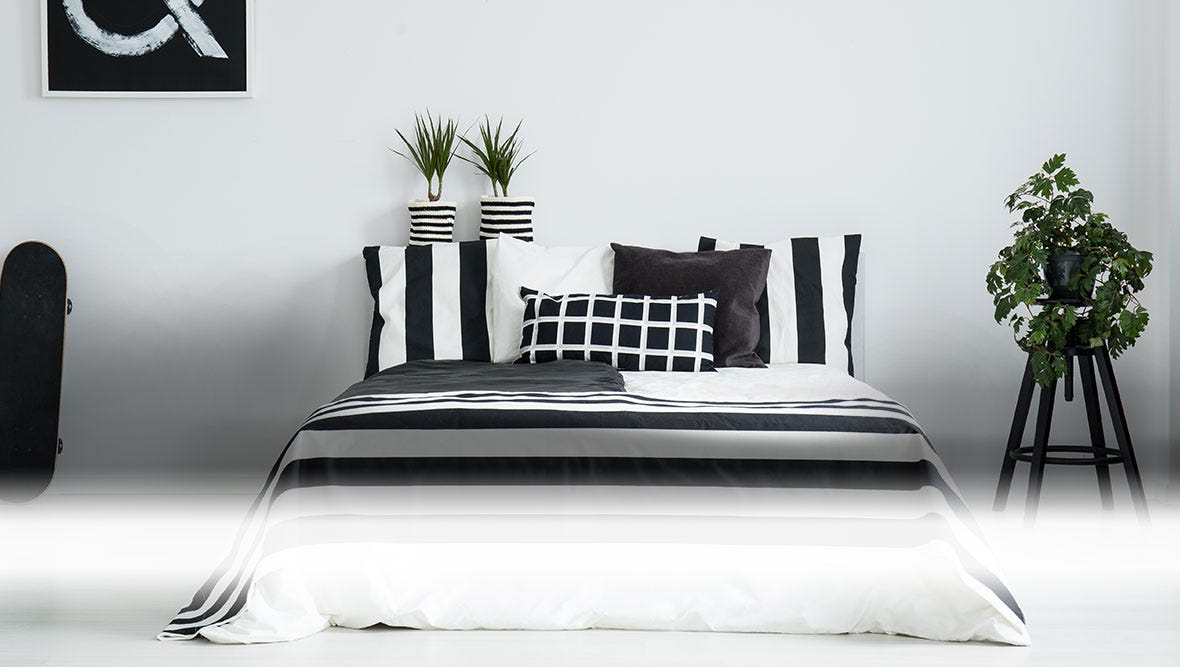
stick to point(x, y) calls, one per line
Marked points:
point(208, 391)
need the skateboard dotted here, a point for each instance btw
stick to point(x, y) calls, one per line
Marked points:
point(33, 308)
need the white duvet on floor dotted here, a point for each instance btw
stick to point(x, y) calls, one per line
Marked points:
point(688, 587)
point(795, 558)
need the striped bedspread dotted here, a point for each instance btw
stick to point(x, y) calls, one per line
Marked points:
point(459, 496)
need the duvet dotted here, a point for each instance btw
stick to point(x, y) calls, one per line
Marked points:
point(456, 495)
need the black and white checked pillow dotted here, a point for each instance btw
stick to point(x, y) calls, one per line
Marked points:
point(628, 331)
point(806, 312)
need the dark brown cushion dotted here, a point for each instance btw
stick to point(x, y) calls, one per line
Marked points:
point(739, 276)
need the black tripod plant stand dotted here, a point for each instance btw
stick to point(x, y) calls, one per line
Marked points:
point(1097, 454)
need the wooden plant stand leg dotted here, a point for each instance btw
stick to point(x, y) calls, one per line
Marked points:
point(1122, 434)
point(1040, 450)
point(1094, 417)
point(1015, 435)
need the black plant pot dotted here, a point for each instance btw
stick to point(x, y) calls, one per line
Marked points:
point(1059, 273)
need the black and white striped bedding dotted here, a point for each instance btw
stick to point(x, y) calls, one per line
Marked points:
point(458, 495)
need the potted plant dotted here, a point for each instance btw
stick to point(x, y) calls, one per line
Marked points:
point(435, 141)
point(1072, 263)
point(498, 156)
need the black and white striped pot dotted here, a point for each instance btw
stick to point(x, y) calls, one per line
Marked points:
point(432, 221)
point(508, 216)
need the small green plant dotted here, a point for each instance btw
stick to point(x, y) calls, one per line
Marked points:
point(433, 148)
point(1056, 216)
point(499, 156)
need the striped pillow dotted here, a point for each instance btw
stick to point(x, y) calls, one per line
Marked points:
point(429, 302)
point(632, 332)
point(806, 311)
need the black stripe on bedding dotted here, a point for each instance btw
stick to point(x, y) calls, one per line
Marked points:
point(848, 276)
point(580, 396)
point(607, 398)
point(606, 471)
point(762, 349)
point(547, 402)
point(474, 418)
point(373, 274)
point(473, 290)
point(419, 303)
point(809, 300)
point(616, 471)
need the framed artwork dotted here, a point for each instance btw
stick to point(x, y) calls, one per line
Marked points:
point(146, 48)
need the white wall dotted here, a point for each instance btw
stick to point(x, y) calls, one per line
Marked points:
point(1172, 225)
point(213, 245)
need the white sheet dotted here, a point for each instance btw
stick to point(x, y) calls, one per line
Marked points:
point(775, 383)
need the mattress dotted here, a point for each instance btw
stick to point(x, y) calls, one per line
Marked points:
point(458, 495)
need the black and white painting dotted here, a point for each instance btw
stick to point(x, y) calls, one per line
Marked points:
point(146, 48)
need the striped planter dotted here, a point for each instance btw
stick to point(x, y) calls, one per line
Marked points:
point(510, 216)
point(432, 222)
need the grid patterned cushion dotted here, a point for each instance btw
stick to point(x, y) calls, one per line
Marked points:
point(630, 332)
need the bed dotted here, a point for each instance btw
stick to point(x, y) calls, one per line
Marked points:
point(569, 495)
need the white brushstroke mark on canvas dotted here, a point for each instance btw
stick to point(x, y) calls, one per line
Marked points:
point(183, 17)
point(195, 31)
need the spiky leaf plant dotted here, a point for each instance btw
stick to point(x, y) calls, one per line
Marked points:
point(496, 156)
point(433, 148)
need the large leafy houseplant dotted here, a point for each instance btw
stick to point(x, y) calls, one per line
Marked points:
point(431, 151)
point(1100, 272)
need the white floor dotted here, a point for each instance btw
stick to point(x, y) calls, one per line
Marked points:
point(88, 578)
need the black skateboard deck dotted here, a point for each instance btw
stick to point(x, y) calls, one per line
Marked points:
point(33, 308)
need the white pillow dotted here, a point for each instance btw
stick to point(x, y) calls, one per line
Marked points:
point(516, 264)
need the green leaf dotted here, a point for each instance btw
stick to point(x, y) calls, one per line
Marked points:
point(1054, 163)
point(1066, 178)
point(498, 157)
point(432, 149)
